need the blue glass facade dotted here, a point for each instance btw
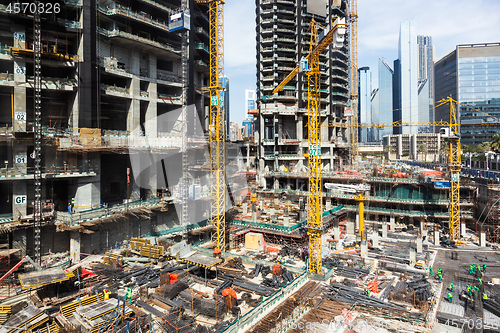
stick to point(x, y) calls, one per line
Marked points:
point(478, 88)
point(365, 101)
point(385, 115)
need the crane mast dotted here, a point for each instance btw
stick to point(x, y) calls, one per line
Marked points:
point(314, 204)
point(217, 122)
point(353, 18)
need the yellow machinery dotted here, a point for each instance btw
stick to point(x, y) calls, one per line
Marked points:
point(353, 25)
point(217, 129)
point(314, 203)
point(451, 133)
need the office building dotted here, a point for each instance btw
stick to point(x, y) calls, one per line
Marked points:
point(250, 100)
point(365, 102)
point(374, 131)
point(426, 61)
point(283, 38)
point(384, 97)
point(408, 56)
point(225, 84)
point(470, 74)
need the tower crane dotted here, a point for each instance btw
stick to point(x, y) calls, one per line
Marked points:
point(217, 128)
point(353, 25)
point(450, 132)
point(310, 65)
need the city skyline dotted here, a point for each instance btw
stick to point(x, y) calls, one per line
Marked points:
point(378, 33)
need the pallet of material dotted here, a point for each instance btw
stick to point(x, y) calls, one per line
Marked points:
point(112, 259)
point(5, 312)
point(31, 317)
point(149, 251)
point(68, 309)
point(52, 328)
point(231, 271)
point(94, 316)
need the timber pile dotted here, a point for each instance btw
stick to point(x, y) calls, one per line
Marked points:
point(143, 248)
point(233, 266)
point(5, 312)
point(112, 259)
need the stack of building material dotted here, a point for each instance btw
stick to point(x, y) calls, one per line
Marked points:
point(28, 319)
point(145, 249)
point(90, 137)
point(112, 259)
point(69, 309)
point(5, 312)
point(233, 266)
point(98, 315)
point(206, 307)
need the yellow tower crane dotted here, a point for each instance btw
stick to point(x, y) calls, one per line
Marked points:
point(450, 131)
point(217, 128)
point(353, 44)
point(310, 65)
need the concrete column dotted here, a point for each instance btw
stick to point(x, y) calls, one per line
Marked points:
point(482, 237)
point(74, 246)
point(276, 184)
point(375, 237)
point(286, 221)
point(328, 204)
point(19, 200)
point(88, 190)
point(392, 223)
point(357, 220)
point(336, 228)
point(436, 237)
point(364, 249)
point(462, 228)
point(19, 116)
point(413, 257)
point(254, 214)
point(300, 126)
point(384, 230)
point(419, 244)
point(134, 112)
point(350, 227)
point(245, 208)
point(261, 205)
point(425, 236)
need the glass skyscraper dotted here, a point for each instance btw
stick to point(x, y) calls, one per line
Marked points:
point(365, 101)
point(408, 55)
point(385, 115)
point(471, 74)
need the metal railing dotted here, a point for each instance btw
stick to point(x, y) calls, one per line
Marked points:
point(125, 11)
point(103, 212)
point(123, 34)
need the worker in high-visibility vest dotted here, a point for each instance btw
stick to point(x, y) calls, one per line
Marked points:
point(450, 297)
point(469, 289)
point(471, 269)
point(480, 281)
point(484, 268)
point(430, 271)
point(485, 298)
point(451, 286)
point(106, 294)
point(440, 276)
point(128, 295)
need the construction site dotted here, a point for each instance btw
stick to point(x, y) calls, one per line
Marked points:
point(125, 209)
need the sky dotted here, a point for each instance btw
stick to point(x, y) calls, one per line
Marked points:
point(448, 22)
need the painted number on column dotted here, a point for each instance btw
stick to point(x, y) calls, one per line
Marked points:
point(21, 159)
point(314, 150)
point(20, 199)
point(19, 69)
point(20, 116)
point(20, 36)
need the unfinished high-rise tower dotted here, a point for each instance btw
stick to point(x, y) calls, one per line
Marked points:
point(283, 38)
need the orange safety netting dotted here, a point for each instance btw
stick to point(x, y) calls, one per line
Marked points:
point(273, 249)
point(431, 173)
point(229, 291)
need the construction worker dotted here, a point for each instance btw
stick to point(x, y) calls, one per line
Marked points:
point(450, 297)
point(470, 269)
point(451, 286)
point(106, 294)
point(469, 289)
point(367, 292)
point(440, 276)
point(477, 291)
point(480, 281)
point(473, 269)
point(430, 271)
point(484, 268)
point(485, 298)
point(128, 295)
